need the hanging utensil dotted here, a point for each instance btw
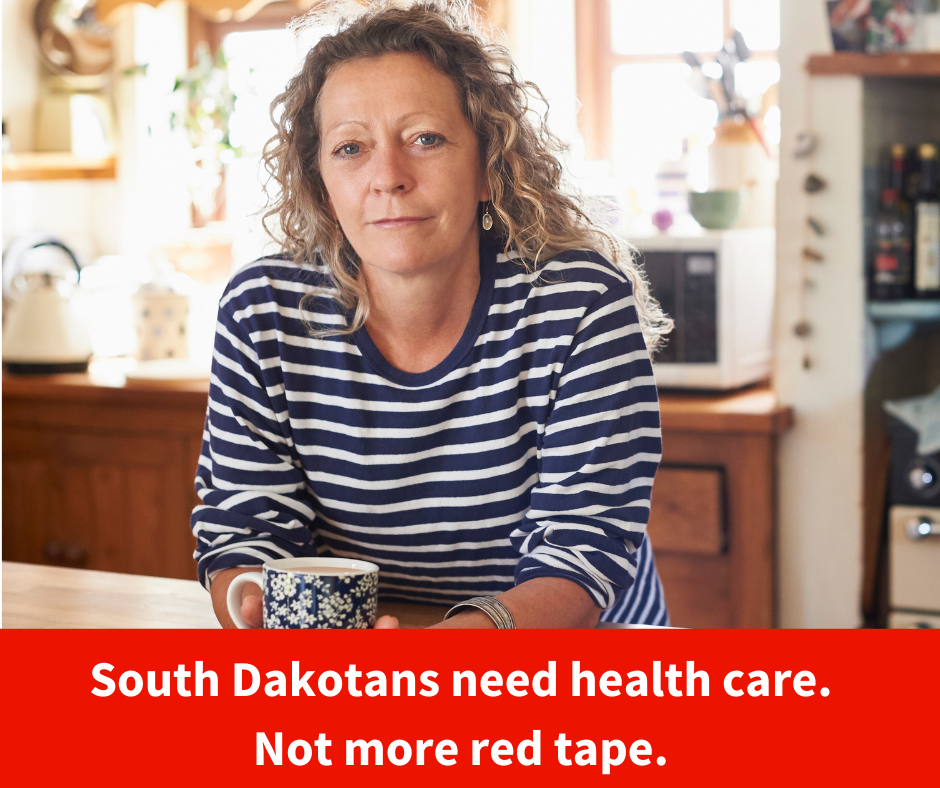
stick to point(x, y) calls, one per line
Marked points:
point(727, 82)
point(740, 47)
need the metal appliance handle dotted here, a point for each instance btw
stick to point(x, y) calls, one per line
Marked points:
point(65, 249)
point(921, 527)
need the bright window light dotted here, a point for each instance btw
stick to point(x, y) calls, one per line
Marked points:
point(758, 21)
point(655, 113)
point(261, 62)
point(646, 27)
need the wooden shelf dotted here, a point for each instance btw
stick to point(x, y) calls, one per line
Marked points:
point(889, 64)
point(55, 167)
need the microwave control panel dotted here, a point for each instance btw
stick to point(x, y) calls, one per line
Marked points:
point(686, 285)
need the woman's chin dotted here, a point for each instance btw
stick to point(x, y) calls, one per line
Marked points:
point(403, 259)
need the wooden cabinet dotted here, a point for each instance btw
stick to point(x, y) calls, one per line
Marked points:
point(712, 518)
point(101, 477)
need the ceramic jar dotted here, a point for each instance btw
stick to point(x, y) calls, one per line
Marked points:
point(161, 319)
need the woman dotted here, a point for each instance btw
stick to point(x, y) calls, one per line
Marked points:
point(435, 375)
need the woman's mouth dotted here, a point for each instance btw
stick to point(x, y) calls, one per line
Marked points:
point(393, 223)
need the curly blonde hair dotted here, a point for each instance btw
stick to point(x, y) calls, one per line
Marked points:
point(536, 216)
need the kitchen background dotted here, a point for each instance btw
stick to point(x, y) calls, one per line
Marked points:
point(132, 136)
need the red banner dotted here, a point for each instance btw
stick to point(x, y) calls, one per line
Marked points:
point(420, 707)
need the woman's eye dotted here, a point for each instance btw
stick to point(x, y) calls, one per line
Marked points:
point(428, 140)
point(349, 149)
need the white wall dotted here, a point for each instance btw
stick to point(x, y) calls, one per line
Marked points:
point(20, 72)
point(820, 459)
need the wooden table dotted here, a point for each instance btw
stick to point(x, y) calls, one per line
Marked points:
point(54, 597)
point(45, 597)
point(98, 474)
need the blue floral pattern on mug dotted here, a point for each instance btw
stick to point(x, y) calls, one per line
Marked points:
point(298, 600)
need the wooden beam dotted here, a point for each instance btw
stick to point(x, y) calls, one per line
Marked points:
point(592, 41)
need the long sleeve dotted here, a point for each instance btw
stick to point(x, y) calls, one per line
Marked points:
point(597, 457)
point(255, 504)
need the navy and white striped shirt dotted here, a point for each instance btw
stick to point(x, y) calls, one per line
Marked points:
point(529, 451)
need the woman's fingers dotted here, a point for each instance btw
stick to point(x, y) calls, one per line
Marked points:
point(251, 611)
point(386, 622)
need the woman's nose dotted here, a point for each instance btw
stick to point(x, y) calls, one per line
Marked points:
point(391, 171)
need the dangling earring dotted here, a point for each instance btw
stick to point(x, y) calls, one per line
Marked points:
point(487, 219)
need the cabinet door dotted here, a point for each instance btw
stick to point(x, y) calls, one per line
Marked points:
point(711, 527)
point(107, 501)
point(687, 530)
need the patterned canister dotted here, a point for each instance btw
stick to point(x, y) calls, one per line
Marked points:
point(161, 318)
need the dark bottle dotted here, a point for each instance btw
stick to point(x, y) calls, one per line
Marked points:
point(927, 226)
point(891, 266)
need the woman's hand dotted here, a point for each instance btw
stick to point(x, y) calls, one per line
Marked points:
point(251, 601)
point(251, 610)
point(251, 598)
point(539, 603)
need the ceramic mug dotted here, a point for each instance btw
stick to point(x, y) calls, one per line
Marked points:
point(311, 593)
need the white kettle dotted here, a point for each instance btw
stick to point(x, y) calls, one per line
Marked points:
point(41, 332)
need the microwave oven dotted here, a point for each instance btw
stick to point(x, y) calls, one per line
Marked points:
point(718, 287)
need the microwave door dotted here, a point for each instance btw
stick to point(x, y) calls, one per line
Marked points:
point(686, 286)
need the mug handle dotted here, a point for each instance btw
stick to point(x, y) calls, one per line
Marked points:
point(233, 598)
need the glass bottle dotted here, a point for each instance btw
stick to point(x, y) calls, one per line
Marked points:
point(927, 226)
point(891, 266)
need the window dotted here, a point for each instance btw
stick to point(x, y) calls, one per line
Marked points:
point(260, 64)
point(642, 109)
point(262, 55)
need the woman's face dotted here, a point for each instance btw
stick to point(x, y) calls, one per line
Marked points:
point(401, 164)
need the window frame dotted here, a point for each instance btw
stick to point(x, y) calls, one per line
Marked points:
point(595, 64)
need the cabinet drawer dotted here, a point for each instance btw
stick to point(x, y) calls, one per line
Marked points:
point(688, 511)
point(915, 562)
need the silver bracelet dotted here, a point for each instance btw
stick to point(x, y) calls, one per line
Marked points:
point(495, 609)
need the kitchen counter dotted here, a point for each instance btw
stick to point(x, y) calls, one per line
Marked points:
point(98, 474)
point(753, 409)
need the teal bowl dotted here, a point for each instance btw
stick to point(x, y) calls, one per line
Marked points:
point(715, 210)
